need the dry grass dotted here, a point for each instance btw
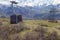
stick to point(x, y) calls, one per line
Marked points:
point(29, 30)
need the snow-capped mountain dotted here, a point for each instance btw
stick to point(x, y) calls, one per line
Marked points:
point(28, 12)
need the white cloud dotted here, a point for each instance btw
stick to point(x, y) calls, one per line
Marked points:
point(31, 2)
point(56, 1)
point(4, 2)
point(12, 0)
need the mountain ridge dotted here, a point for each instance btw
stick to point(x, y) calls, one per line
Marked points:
point(36, 12)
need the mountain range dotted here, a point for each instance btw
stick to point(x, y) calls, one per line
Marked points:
point(28, 12)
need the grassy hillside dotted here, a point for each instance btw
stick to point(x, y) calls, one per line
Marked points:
point(29, 30)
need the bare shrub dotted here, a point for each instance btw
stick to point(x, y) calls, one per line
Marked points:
point(31, 36)
point(38, 34)
point(4, 32)
point(1, 23)
point(17, 38)
point(53, 36)
point(14, 37)
point(15, 29)
point(42, 30)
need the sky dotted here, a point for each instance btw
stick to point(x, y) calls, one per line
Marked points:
point(30, 2)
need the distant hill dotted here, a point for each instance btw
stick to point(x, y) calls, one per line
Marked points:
point(36, 12)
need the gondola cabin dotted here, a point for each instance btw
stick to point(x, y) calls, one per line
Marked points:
point(19, 17)
point(14, 19)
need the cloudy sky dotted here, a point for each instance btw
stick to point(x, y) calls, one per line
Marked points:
point(30, 2)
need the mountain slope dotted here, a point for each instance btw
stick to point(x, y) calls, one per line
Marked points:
point(36, 12)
